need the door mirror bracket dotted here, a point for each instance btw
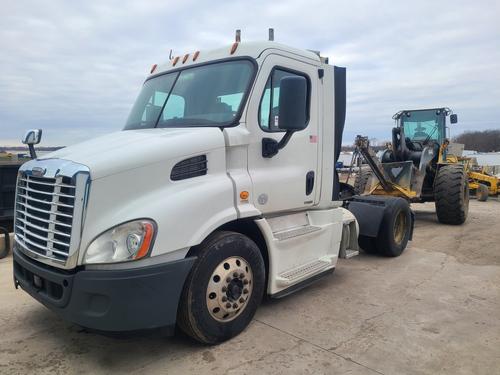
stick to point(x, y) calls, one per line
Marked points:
point(270, 146)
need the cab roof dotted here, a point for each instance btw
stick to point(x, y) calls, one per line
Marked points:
point(239, 49)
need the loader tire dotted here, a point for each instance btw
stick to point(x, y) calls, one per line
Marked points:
point(482, 193)
point(361, 180)
point(224, 288)
point(451, 194)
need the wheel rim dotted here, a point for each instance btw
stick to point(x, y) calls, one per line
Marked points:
point(399, 227)
point(229, 289)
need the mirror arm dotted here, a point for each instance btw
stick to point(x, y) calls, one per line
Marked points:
point(270, 146)
point(32, 151)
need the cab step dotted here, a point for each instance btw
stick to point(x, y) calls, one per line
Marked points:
point(351, 253)
point(304, 271)
point(295, 232)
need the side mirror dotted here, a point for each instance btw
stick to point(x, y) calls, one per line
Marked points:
point(31, 138)
point(292, 115)
point(453, 119)
point(293, 103)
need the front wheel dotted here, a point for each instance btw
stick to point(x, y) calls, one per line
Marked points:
point(451, 194)
point(482, 193)
point(224, 288)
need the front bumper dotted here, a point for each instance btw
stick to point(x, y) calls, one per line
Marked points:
point(107, 300)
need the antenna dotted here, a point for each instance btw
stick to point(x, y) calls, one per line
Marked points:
point(170, 54)
point(237, 37)
point(271, 34)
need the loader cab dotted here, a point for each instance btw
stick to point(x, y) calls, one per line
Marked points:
point(419, 129)
point(424, 126)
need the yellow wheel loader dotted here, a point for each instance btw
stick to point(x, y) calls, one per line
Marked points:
point(418, 165)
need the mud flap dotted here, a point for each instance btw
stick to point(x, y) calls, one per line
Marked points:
point(369, 212)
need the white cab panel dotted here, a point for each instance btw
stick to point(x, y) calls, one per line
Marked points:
point(279, 183)
point(301, 245)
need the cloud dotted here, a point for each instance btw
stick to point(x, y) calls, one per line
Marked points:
point(74, 68)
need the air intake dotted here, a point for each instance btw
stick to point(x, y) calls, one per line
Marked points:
point(189, 168)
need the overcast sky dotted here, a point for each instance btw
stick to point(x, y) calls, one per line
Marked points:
point(74, 68)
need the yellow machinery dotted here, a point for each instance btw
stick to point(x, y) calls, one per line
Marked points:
point(481, 183)
point(417, 166)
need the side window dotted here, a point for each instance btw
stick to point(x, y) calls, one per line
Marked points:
point(269, 104)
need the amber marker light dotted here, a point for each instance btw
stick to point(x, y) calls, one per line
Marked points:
point(195, 56)
point(244, 195)
point(153, 68)
point(146, 242)
point(185, 58)
point(176, 59)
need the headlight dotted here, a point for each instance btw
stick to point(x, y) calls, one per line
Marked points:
point(128, 241)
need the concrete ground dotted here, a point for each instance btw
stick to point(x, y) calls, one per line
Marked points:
point(433, 310)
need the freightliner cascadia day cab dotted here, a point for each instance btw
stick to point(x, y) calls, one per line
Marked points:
point(220, 189)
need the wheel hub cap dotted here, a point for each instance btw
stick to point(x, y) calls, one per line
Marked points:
point(229, 289)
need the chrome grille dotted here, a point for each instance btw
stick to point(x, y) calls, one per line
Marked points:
point(45, 215)
point(49, 210)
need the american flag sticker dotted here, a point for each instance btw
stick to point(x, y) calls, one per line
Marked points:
point(313, 139)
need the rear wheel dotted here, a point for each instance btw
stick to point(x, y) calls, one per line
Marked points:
point(395, 229)
point(394, 232)
point(451, 194)
point(482, 193)
point(224, 288)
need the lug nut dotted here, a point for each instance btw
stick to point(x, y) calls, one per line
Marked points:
point(224, 299)
point(224, 289)
point(245, 282)
point(228, 280)
point(245, 291)
point(235, 305)
point(235, 274)
point(228, 305)
point(242, 300)
point(242, 275)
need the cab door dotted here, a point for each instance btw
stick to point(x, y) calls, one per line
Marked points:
point(288, 180)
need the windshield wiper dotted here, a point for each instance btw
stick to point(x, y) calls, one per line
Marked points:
point(430, 134)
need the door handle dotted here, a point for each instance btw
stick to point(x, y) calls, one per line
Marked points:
point(309, 182)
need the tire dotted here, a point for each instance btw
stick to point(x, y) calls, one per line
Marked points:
point(204, 312)
point(482, 193)
point(395, 228)
point(451, 194)
point(361, 180)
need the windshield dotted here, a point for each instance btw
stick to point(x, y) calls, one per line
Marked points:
point(207, 95)
point(424, 125)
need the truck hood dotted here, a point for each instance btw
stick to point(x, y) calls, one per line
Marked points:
point(124, 150)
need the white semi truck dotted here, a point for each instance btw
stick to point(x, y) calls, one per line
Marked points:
point(220, 189)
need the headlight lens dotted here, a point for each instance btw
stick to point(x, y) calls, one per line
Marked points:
point(128, 241)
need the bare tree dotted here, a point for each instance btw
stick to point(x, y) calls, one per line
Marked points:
point(481, 141)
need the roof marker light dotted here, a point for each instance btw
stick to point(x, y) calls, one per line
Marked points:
point(176, 58)
point(195, 56)
point(153, 68)
point(185, 58)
